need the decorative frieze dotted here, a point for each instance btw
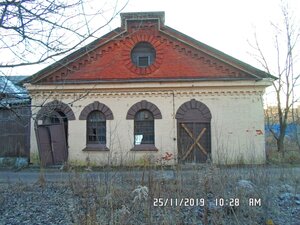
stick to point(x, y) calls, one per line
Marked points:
point(145, 94)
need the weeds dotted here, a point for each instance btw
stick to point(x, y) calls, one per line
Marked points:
point(120, 197)
point(209, 194)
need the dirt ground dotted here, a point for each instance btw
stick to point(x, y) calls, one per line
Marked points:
point(203, 194)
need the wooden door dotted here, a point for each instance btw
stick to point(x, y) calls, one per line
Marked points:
point(52, 144)
point(194, 142)
point(44, 145)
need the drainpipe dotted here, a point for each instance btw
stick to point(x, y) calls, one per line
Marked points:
point(174, 125)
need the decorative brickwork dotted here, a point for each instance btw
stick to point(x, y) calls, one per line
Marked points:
point(177, 57)
point(203, 114)
point(143, 105)
point(96, 106)
point(58, 106)
point(142, 37)
point(117, 94)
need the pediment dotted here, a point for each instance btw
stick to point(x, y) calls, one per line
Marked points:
point(177, 57)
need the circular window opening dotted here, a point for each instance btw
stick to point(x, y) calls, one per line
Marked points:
point(143, 54)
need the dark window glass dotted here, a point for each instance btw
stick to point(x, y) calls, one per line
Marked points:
point(96, 128)
point(143, 128)
point(143, 54)
point(143, 61)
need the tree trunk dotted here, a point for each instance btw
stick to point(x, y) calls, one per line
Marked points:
point(280, 140)
point(280, 145)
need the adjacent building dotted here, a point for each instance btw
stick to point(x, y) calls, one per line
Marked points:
point(15, 119)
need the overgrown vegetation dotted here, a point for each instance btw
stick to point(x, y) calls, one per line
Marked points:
point(292, 153)
point(201, 194)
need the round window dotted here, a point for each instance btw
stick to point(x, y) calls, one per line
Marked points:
point(143, 54)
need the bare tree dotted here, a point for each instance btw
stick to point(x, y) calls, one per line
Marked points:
point(32, 32)
point(36, 32)
point(286, 43)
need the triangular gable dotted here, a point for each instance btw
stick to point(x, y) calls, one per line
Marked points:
point(177, 57)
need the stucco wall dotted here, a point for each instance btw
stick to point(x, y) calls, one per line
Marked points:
point(237, 126)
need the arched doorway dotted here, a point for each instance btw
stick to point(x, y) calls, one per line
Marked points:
point(193, 132)
point(52, 132)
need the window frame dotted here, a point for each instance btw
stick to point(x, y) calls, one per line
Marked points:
point(143, 49)
point(131, 113)
point(149, 134)
point(141, 58)
point(97, 145)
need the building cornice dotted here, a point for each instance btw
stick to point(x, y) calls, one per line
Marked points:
point(149, 86)
point(183, 92)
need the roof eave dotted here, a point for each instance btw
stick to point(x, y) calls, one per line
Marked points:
point(143, 80)
point(253, 71)
point(73, 56)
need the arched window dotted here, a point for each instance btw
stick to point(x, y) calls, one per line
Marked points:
point(144, 113)
point(96, 128)
point(143, 127)
point(96, 115)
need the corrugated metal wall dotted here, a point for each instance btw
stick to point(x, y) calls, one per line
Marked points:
point(15, 131)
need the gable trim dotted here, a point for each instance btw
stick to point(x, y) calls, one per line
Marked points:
point(73, 62)
point(73, 57)
point(216, 54)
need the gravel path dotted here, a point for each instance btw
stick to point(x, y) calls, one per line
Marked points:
point(32, 204)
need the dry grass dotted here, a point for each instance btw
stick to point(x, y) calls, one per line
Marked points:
point(291, 156)
point(125, 198)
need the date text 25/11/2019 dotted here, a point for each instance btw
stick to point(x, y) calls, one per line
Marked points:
point(190, 202)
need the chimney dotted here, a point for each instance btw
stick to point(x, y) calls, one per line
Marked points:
point(143, 17)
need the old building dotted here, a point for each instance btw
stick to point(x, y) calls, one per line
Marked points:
point(15, 116)
point(145, 90)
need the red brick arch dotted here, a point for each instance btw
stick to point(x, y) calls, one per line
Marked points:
point(193, 110)
point(56, 106)
point(143, 105)
point(99, 107)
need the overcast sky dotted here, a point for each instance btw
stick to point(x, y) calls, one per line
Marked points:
point(225, 25)
point(228, 26)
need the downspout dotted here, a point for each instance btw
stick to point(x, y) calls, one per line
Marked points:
point(174, 126)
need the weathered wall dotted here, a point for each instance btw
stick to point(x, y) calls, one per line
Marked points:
point(14, 131)
point(237, 126)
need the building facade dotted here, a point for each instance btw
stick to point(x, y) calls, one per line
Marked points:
point(148, 92)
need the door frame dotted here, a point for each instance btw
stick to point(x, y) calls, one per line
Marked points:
point(60, 113)
point(194, 112)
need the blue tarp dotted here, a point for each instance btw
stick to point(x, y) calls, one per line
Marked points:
point(291, 129)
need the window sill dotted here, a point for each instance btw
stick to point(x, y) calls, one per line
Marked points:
point(144, 147)
point(95, 148)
